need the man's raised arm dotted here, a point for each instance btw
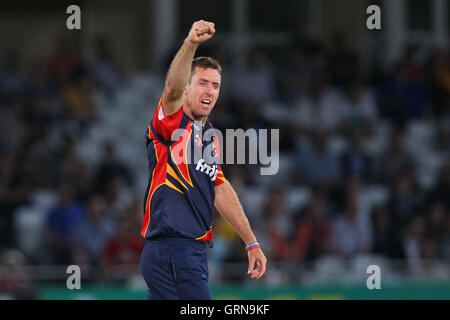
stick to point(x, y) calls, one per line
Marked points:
point(180, 68)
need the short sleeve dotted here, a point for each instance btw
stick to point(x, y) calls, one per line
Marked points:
point(220, 177)
point(166, 125)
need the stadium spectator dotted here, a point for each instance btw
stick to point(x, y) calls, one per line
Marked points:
point(352, 233)
point(254, 82)
point(125, 248)
point(64, 62)
point(249, 116)
point(385, 241)
point(77, 99)
point(412, 242)
point(343, 62)
point(105, 68)
point(402, 97)
point(292, 76)
point(317, 164)
point(360, 109)
point(9, 198)
point(314, 233)
point(355, 161)
point(109, 167)
point(12, 77)
point(405, 198)
point(445, 245)
point(43, 96)
point(438, 81)
point(118, 196)
point(431, 267)
point(394, 158)
point(71, 166)
point(355, 186)
point(443, 130)
point(441, 189)
point(61, 225)
point(415, 69)
point(436, 227)
point(93, 231)
point(321, 108)
point(276, 227)
point(15, 282)
point(13, 129)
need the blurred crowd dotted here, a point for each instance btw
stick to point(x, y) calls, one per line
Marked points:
point(346, 129)
point(45, 109)
point(334, 107)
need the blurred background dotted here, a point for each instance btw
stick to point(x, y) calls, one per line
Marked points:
point(364, 119)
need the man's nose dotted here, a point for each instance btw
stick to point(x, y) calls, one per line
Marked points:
point(208, 90)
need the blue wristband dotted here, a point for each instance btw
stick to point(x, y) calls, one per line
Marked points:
point(252, 245)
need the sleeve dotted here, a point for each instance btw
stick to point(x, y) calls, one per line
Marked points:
point(220, 177)
point(166, 125)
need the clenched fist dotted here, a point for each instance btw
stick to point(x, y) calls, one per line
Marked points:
point(201, 31)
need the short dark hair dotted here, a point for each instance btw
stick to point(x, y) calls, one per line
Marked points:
point(206, 63)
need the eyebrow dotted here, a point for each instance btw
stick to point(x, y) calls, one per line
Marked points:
point(203, 79)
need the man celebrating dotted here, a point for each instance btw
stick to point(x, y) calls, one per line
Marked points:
point(181, 193)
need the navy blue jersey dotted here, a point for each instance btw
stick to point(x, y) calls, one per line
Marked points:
point(179, 200)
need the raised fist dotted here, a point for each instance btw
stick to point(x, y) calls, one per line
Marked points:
point(201, 31)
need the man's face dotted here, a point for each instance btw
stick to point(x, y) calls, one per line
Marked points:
point(202, 92)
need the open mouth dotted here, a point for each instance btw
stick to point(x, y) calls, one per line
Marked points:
point(206, 102)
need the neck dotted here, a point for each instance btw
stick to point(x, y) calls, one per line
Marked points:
point(193, 116)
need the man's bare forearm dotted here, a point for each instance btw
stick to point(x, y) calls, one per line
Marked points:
point(180, 68)
point(178, 76)
point(228, 205)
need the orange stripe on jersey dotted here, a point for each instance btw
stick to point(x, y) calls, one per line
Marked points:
point(220, 178)
point(180, 160)
point(158, 179)
point(171, 185)
point(152, 137)
point(172, 173)
point(146, 223)
point(207, 236)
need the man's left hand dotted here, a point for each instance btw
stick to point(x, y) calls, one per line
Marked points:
point(256, 256)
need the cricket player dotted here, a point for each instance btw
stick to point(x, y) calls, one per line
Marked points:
point(182, 191)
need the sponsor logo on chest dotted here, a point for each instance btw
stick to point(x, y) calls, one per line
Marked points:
point(211, 170)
